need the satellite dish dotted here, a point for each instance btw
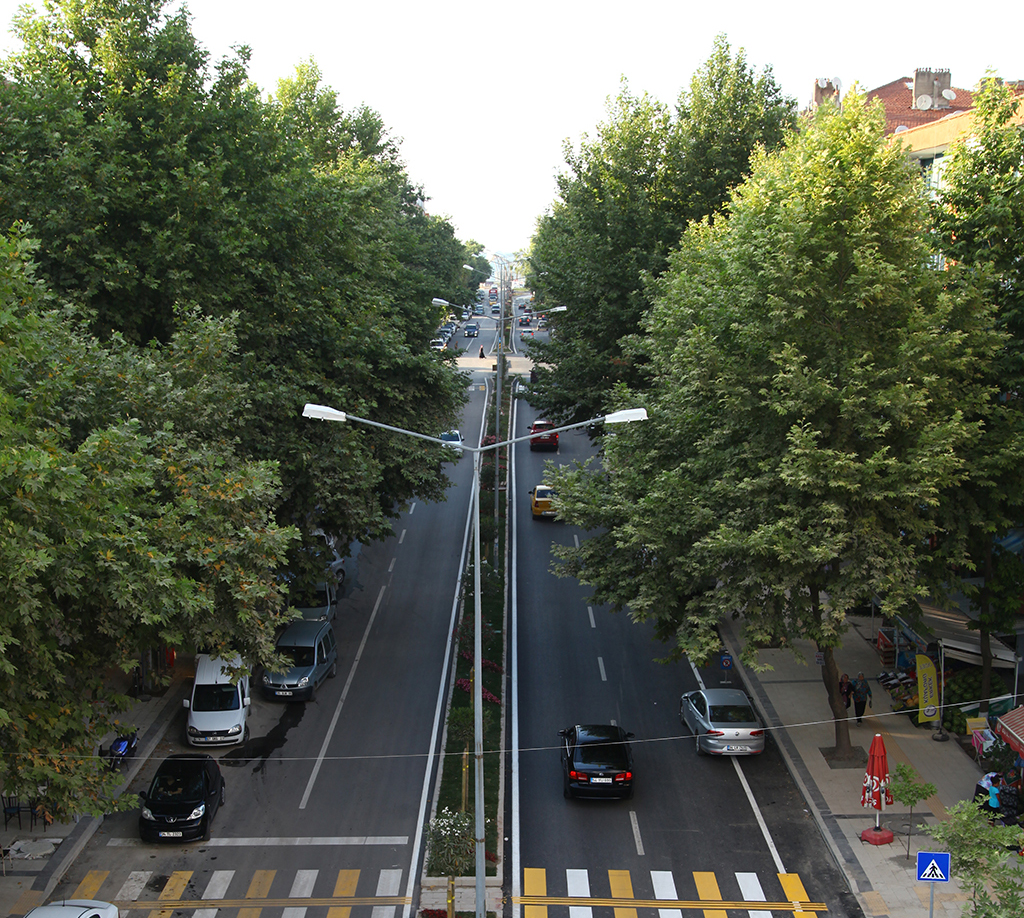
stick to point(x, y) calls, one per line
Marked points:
point(948, 95)
point(822, 82)
point(924, 102)
point(837, 83)
point(901, 129)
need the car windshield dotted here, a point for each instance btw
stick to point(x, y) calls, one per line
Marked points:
point(545, 493)
point(732, 714)
point(176, 784)
point(451, 437)
point(300, 656)
point(216, 698)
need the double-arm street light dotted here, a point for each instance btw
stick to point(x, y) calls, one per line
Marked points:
point(325, 413)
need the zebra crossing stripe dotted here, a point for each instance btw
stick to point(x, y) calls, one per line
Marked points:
point(535, 883)
point(388, 884)
point(259, 888)
point(794, 890)
point(750, 888)
point(707, 888)
point(90, 885)
point(578, 885)
point(302, 888)
point(622, 888)
point(344, 887)
point(216, 889)
point(176, 884)
point(665, 888)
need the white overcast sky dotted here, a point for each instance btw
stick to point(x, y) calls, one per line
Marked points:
point(483, 95)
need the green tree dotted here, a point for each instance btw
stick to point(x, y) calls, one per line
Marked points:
point(623, 203)
point(130, 522)
point(908, 791)
point(807, 380)
point(983, 857)
point(979, 219)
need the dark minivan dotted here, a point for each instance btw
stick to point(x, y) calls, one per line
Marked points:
point(186, 792)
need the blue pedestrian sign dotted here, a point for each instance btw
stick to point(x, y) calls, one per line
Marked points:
point(933, 866)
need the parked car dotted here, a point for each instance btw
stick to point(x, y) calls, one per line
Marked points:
point(543, 435)
point(723, 722)
point(184, 796)
point(453, 442)
point(597, 761)
point(74, 908)
point(471, 330)
point(495, 310)
point(313, 652)
point(540, 502)
point(217, 708)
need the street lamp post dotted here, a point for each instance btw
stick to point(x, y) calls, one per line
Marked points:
point(325, 413)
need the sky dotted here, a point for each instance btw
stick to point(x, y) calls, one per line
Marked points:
point(484, 96)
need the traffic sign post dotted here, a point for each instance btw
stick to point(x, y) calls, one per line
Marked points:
point(726, 661)
point(933, 867)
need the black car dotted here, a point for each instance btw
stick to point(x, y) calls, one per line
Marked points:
point(185, 795)
point(597, 761)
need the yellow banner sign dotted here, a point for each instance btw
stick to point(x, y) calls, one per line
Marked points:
point(927, 690)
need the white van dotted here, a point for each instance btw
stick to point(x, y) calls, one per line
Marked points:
point(216, 708)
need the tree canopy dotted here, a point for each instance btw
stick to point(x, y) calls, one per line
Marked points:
point(807, 379)
point(624, 200)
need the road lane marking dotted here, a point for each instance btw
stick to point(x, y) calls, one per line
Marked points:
point(636, 837)
point(388, 883)
point(576, 539)
point(707, 888)
point(391, 566)
point(578, 886)
point(90, 885)
point(302, 888)
point(401, 538)
point(217, 888)
point(793, 887)
point(535, 884)
point(622, 887)
point(341, 701)
point(665, 888)
point(176, 884)
point(750, 887)
point(590, 612)
point(600, 666)
point(345, 886)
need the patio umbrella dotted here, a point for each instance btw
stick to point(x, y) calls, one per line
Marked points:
point(876, 793)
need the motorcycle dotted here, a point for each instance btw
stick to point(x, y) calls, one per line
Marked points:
point(122, 748)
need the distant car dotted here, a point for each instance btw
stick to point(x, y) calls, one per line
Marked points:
point(495, 310)
point(526, 334)
point(524, 320)
point(453, 442)
point(465, 314)
point(723, 721)
point(478, 310)
point(471, 330)
point(184, 796)
point(543, 435)
point(597, 761)
point(74, 908)
point(540, 502)
point(438, 344)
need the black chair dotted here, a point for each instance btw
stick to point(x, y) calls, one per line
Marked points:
point(12, 809)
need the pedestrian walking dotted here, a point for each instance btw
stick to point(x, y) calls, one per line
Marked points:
point(845, 689)
point(861, 695)
point(481, 352)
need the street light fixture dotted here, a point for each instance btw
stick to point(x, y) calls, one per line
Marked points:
point(326, 413)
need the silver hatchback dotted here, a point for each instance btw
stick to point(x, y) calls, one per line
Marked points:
point(723, 722)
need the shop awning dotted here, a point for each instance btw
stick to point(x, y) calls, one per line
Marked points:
point(1010, 726)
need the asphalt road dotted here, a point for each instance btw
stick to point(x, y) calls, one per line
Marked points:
point(691, 831)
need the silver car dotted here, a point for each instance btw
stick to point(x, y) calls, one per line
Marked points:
point(723, 722)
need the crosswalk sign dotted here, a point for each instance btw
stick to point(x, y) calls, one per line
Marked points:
point(933, 866)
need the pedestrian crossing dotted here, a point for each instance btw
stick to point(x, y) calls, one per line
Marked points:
point(312, 893)
point(702, 889)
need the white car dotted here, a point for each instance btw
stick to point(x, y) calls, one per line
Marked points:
point(453, 442)
point(75, 908)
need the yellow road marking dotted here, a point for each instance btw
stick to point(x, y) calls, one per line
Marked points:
point(798, 907)
point(90, 886)
point(345, 887)
point(793, 887)
point(535, 883)
point(176, 884)
point(622, 888)
point(707, 888)
point(259, 888)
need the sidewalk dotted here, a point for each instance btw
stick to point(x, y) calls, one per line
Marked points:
point(793, 697)
point(42, 855)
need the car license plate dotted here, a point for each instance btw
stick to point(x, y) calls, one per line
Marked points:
point(734, 748)
point(170, 834)
point(284, 692)
point(601, 780)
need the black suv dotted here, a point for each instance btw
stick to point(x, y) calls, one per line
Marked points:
point(185, 795)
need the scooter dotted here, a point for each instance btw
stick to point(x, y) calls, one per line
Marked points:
point(121, 749)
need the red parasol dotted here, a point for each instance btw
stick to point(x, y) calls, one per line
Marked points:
point(876, 791)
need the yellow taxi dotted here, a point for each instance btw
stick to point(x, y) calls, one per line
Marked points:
point(541, 498)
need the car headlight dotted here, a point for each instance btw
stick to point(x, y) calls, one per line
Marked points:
point(237, 728)
point(198, 811)
point(304, 681)
point(192, 731)
point(147, 813)
point(266, 678)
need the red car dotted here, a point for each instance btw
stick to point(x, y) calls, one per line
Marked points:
point(543, 435)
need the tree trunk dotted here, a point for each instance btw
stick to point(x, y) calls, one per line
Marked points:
point(984, 613)
point(840, 716)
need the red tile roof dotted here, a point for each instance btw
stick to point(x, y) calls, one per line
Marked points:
point(897, 97)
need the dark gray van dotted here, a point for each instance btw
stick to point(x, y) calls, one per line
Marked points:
point(313, 651)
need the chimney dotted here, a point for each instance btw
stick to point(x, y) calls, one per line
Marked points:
point(931, 89)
